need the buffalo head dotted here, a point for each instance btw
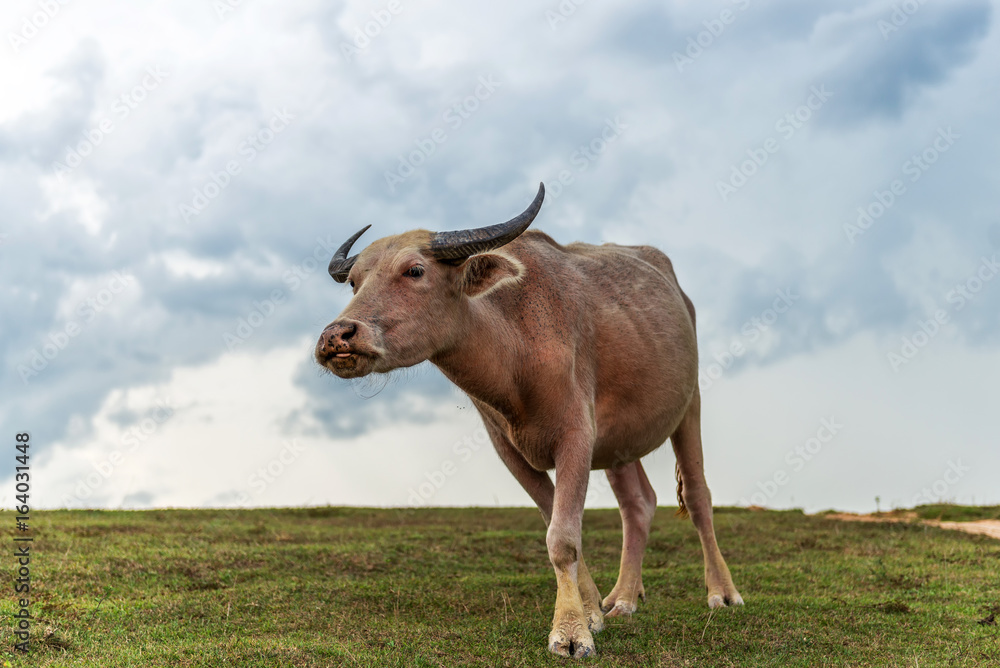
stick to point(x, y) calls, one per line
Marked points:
point(412, 292)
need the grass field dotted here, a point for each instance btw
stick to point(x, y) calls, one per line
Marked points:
point(473, 587)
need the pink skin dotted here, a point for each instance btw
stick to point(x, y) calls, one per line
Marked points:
point(577, 357)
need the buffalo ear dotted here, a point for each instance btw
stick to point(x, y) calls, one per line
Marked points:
point(481, 274)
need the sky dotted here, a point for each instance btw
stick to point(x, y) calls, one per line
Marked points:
point(174, 177)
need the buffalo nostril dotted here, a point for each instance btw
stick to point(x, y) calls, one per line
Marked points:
point(329, 339)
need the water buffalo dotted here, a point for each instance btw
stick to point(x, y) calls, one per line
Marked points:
point(577, 357)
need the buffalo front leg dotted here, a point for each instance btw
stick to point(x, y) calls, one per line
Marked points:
point(694, 493)
point(570, 635)
point(637, 504)
point(539, 487)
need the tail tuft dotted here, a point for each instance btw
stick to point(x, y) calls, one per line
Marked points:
point(682, 510)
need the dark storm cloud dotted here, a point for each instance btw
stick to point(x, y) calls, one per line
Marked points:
point(895, 55)
point(820, 303)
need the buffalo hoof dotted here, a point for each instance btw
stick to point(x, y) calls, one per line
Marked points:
point(576, 643)
point(622, 609)
point(722, 601)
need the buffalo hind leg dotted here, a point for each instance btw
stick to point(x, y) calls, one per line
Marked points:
point(539, 487)
point(637, 504)
point(696, 496)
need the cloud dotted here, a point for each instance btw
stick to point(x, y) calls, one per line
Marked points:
point(895, 55)
point(348, 409)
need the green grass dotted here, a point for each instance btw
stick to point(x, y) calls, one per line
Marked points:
point(948, 512)
point(473, 587)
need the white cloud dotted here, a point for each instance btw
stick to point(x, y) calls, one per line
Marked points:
point(79, 198)
point(184, 265)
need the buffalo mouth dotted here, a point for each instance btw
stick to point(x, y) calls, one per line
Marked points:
point(350, 363)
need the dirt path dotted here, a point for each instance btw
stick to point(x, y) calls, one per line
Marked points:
point(989, 528)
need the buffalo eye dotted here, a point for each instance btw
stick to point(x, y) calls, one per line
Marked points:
point(416, 271)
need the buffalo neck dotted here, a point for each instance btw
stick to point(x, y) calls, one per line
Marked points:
point(481, 359)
